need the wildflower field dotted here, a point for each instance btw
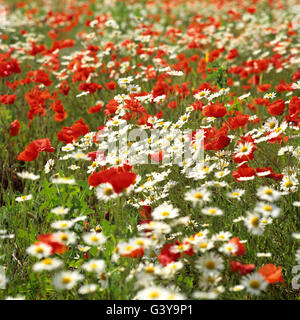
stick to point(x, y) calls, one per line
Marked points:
point(149, 149)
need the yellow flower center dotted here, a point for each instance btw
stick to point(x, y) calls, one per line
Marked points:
point(153, 295)
point(272, 125)
point(47, 261)
point(255, 221)
point(64, 237)
point(39, 250)
point(254, 284)
point(267, 208)
point(149, 269)
point(93, 266)
point(108, 191)
point(198, 195)
point(210, 265)
point(66, 280)
point(268, 191)
point(289, 184)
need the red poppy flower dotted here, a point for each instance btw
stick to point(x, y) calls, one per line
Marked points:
point(264, 172)
point(172, 105)
point(263, 87)
point(36, 99)
point(40, 76)
point(271, 273)
point(276, 108)
point(14, 128)
point(111, 85)
point(8, 66)
point(214, 110)
point(122, 180)
point(233, 53)
point(90, 87)
point(215, 139)
point(243, 171)
point(58, 108)
point(70, 134)
point(240, 268)
point(294, 110)
point(8, 98)
point(31, 151)
point(284, 87)
point(239, 120)
point(64, 88)
point(262, 101)
point(166, 255)
point(111, 107)
point(146, 212)
point(251, 10)
point(119, 177)
point(96, 108)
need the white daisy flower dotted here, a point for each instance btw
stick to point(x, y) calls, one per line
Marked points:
point(87, 288)
point(197, 196)
point(27, 175)
point(153, 293)
point(47, 264)
point(24, 198)
point(94, 265)
point(267, 209)
point(94, 239)
point(66, 280)
point(212, 211)
point(105, 192)
point(39, 250)
point(254, 283)
point(165, 211)
point(60, 210)
point(210, 262)
point(268, 194)
point(62, 224)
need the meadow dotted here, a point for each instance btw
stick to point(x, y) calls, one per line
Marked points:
point(149, 150)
